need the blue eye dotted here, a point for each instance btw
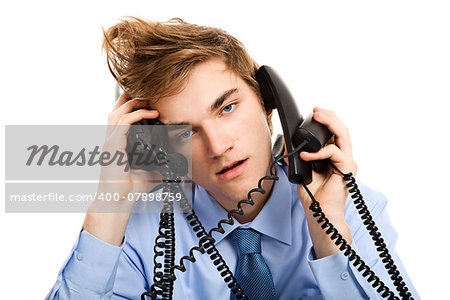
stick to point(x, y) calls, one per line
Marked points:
point(185, 135)
point(229, 108)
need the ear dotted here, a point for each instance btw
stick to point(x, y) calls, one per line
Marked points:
point(269, 119)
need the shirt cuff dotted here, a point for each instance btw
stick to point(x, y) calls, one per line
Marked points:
point(334, 276)
point(93, 264)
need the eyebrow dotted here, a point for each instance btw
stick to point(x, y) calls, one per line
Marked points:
point(221, 99)
point(214, 106)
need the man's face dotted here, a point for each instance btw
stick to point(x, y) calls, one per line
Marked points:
point(230, 136)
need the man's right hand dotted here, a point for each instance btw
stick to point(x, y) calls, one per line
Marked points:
point(108, 220)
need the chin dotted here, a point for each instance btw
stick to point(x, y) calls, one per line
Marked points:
point(241, 191)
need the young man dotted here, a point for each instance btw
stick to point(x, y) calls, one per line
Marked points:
point(187, 74)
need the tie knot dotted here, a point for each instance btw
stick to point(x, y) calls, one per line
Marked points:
point(247, 240)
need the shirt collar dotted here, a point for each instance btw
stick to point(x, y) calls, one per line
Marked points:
point(274, 220)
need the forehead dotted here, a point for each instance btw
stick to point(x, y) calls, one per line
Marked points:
point(205, 83)
point(207, 77)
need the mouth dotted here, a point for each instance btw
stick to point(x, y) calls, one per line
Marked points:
point(232, 170)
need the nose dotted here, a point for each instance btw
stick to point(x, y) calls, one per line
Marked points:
point(218, 138)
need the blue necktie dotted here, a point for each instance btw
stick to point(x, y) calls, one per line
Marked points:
point(252, 273)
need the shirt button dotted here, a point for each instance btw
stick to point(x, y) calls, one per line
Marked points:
point(345, 275)
point(80, 256)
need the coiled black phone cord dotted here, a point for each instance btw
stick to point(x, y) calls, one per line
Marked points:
point(165, 241)
point(368, 221)
point(373, 279)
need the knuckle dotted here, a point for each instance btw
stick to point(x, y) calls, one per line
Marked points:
point(333, 147)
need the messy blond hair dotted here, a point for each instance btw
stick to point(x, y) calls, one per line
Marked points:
point(152, 60)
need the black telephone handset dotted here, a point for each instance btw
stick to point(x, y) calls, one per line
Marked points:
point(142, 139)
point(148, 148)
point(297, 130)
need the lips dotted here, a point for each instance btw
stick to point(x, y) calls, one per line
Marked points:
point(232, 170)
point(230, 166)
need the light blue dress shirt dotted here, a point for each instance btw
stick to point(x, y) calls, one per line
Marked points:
point(97, 270)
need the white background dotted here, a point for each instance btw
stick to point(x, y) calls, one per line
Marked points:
point(383, 66)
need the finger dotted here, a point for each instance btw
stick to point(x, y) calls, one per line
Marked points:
point(125, 121)
point(126, 108)
point(329, 118)
point(334, 124)
point(122, 99)
point(336, 156)
point(324, 110)
point(136, 116)
point(330, 151)
point(327, 112)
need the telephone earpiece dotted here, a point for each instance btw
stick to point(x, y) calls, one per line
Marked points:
point(148, 148)
point(297, 130)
